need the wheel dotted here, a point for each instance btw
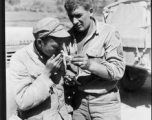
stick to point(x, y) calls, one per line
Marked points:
point(133, 79)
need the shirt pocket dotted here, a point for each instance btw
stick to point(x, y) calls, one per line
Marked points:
point(96, 55)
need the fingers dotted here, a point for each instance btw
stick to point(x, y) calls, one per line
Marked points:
point(68, 78)
point(69, 83)
point(57, 57)
point(54, 63)
point(58, 63)
point(77, 63)
point(78, 58)
point(52, 57)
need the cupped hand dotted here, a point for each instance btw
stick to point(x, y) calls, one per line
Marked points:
point(53, 64)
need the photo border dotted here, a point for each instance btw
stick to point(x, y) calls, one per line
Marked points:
point(2, 62)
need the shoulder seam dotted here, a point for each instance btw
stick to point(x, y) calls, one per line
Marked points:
point(109, 25)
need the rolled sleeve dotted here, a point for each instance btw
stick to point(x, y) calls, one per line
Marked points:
point(27, 92)
point(114, 56)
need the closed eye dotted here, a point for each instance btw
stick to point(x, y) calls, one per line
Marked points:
point(78, 16)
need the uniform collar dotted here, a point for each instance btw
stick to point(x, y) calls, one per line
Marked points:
point(96, 31)
point(97, 26)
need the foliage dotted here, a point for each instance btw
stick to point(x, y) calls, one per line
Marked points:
point(13, 2)
point(35, 6)
point(52, 6)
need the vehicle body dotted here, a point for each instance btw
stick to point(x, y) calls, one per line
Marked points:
point(15, 39)
point(132, 19)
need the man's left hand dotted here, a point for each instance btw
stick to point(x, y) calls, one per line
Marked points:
point(81, 61)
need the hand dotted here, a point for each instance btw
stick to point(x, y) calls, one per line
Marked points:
point(53, 64)
point(68, 78)
point(81, 61)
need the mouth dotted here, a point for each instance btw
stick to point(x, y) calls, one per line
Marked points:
point(78, 26)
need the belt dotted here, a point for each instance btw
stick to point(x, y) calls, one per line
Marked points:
point(112, 90)
point(115, 89)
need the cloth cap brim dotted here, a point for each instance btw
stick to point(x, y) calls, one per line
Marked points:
point(59, 32)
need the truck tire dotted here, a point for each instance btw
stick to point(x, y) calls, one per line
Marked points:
point(133, 79)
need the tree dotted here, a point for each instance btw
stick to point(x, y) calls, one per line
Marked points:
point(13, 2)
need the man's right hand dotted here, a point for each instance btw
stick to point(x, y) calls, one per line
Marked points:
point(53, 64)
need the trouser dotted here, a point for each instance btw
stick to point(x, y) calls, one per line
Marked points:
point(97, 106)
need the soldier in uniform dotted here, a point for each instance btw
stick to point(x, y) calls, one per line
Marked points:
point(100, 63)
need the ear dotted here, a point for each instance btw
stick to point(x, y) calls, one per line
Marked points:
point(39, 42)
point(91, 10)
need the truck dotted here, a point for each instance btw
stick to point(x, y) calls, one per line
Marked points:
point(132, 19)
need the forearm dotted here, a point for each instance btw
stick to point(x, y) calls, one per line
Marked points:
point(99, 70)
point(29, 94)
point(113, 70)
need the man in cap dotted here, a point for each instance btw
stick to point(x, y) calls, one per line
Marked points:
point(36, 73)
point(100, 61)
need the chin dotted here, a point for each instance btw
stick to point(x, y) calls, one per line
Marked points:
point(80, 30)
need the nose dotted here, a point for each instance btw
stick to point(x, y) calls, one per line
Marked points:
point(75, 20)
